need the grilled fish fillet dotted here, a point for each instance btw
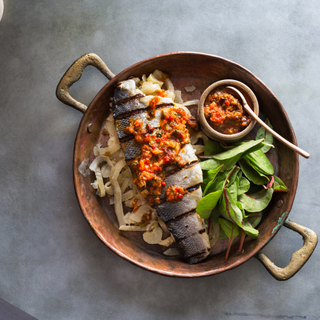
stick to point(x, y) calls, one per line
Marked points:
point(180, 217)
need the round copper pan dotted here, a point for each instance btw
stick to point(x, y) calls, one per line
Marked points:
point(186, 69)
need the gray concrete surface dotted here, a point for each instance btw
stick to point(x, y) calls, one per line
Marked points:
point(52, 265)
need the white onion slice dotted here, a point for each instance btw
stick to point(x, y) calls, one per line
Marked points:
point(198, 148)
point(154, 236)
point(191, 103)
point(172, 252)
point(177, 96)
point(190, 88)
point(83, 168)
point(199, 135)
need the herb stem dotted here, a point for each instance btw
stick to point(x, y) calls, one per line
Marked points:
point(242, 236)
point(229, 246)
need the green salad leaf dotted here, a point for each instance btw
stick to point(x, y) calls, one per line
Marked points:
point(238, 185)
point(207, 204)
point(256, 202)
point(267, 137)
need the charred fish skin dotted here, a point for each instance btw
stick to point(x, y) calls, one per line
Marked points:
point(132, 149)
point(181, 217)
point(124, 122)
point(190, 234)
point(187, 177)
point(168, 210)
point(125, 90)
point(187, 226)
point(127, 99)
point(122, 107)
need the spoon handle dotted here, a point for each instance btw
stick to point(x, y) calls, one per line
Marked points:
point(275, 134)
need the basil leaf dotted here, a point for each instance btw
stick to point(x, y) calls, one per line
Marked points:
point(257, 201)
point(239, 150)
point(262, 133)
point(207, 203)
point(259, 162)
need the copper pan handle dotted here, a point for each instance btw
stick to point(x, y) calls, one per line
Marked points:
point(74, 73)
point(298, 259)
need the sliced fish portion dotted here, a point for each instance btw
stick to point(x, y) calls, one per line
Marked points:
point(168, 211)
point(125, 90)
point(132, 149)
point(160, 100)
point(127, 106)
point(127, 98)
point(195, 247)
point(180, 217)
point(188, 224)
point(190, 234)
point(185, 178)
point(187, 155)
point(121, 124)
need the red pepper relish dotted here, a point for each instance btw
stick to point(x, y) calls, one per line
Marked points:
point(225, 113)
point(159, 149)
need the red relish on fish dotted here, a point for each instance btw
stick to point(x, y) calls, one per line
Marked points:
point(155, 139)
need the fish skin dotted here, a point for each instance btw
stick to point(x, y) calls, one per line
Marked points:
point(127, 106)
point(168, 211)
point(132, 149)
point(185, 178)
point(195, 247)
point(180, 217)
point(122, 123)
point(125, 90)
point(187, 225)
point(128, 99)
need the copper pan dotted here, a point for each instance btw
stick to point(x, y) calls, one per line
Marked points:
point(200, 70)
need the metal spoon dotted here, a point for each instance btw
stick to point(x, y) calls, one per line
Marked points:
point(276, 135)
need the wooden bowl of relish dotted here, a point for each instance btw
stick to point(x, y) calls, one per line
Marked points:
point(221, 113)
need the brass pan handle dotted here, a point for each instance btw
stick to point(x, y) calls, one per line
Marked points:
point(74, 73)
point(298, 259)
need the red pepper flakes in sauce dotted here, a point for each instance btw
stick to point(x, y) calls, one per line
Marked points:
point(175, 193)
point(160, 148)
point(225, 113)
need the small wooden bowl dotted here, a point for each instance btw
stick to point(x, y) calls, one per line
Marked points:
point(251, 100)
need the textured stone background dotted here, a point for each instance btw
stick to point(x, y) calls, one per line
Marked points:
point(52, 265)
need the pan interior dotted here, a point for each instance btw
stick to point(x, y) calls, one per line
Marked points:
point(186, 69)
